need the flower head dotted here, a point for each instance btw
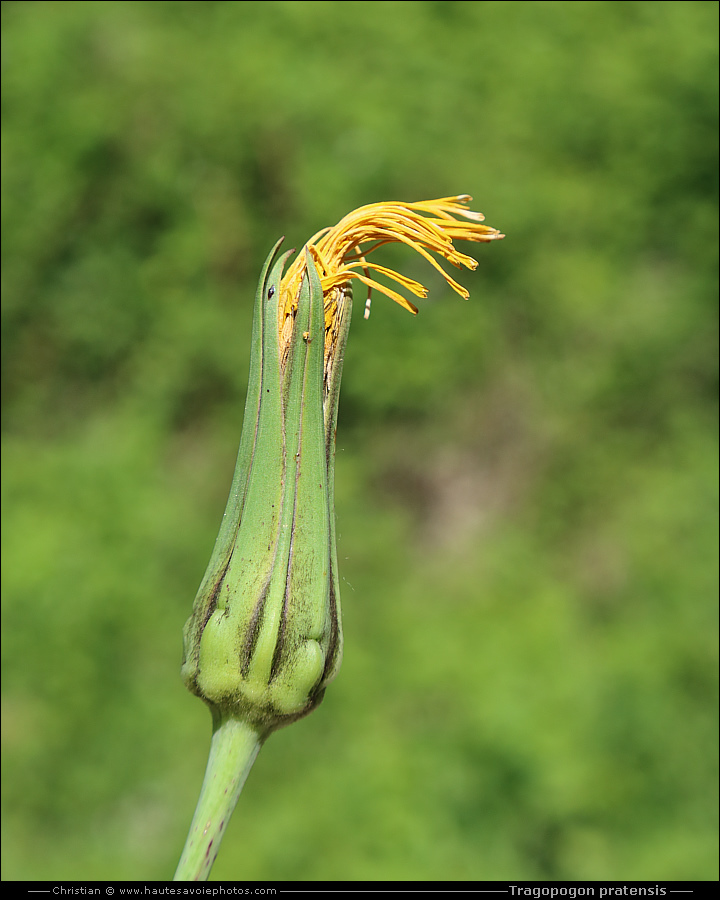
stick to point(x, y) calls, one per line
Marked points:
point(264, 638)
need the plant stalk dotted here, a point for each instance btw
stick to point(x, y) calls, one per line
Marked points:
point(235, 744)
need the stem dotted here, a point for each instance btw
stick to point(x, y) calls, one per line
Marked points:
point(235, 744)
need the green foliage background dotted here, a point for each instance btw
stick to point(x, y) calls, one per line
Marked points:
point(526, 483)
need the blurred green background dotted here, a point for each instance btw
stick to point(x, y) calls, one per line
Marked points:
point(526, 482)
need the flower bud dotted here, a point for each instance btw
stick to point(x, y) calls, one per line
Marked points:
point(264, 637)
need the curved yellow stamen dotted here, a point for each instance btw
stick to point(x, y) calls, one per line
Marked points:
point(428, 226)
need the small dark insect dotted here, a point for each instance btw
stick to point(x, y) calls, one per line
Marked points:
point(271, 293)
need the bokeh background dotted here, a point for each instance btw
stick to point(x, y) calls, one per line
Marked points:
point(526, 482)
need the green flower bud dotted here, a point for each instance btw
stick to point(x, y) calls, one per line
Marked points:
point(265, 638)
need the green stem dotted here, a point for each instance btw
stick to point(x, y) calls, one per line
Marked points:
point(235, 744)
